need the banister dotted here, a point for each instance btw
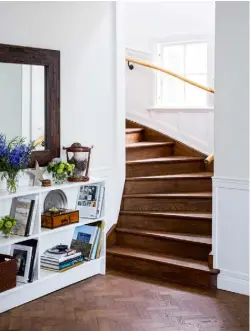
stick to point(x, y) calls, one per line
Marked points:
point(210, 158)
point(184, 79)
point(38, 141)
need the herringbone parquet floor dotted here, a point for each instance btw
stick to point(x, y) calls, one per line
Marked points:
point(119, 302)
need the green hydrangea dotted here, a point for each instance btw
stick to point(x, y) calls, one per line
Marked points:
point(8, 225)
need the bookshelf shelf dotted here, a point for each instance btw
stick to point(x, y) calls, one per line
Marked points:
point(83, 221)
point(25, 292)
point(15, 239)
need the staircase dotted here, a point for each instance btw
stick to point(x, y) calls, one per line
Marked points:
point(164, 226)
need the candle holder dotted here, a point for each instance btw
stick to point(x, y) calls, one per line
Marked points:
point(80, 157)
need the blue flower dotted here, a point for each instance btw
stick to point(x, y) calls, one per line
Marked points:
point(14, 155)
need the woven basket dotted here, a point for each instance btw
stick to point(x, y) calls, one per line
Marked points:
point(8, 270)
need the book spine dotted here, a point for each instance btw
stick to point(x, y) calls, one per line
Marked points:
point(93, 254)
point(62, 259)
point(100, 201)
point(33, 216)
point(53, 262)
point(27, 230)
point(63, 265)
point(103, 202)
point(98, 252)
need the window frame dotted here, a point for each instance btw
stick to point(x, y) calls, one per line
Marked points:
point(182, 40)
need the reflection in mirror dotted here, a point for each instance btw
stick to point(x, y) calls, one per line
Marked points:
point(22, 102)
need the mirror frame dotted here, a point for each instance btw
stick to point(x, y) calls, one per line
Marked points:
point(50, 59)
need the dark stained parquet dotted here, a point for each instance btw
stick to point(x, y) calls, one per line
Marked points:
point(120, 302)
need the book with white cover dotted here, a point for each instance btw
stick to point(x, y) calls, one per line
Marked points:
point(87, 201)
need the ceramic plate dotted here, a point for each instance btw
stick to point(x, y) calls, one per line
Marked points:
point(55, 199)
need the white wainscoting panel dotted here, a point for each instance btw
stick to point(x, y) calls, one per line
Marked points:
point(194, 127)
point(231, 233)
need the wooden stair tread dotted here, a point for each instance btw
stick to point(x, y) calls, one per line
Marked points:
point(161, 258)
point(148, 144)
point(197, 239)
point(168, 159)
point(194, 195)
point(169, 214)
point(133, 130)
point(192, 175)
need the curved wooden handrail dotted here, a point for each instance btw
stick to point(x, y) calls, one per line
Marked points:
point(38, 141)
point(210, 158)
point(186, 80)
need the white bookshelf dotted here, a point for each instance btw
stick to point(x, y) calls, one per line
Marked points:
point(46, 281)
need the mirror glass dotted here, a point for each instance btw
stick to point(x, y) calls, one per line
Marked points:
point(22, 102)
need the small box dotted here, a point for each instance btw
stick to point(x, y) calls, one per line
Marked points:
point(54, 220)
point(8, 269)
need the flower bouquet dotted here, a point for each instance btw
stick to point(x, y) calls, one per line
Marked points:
point(6, 224)
point(14, 156)
point(60, 170)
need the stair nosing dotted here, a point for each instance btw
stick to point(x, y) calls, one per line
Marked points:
point(193, 176)
point(165, 235)
point(133, 130)
point(148, 144)
point(197, 265)
point(187, 195)
point(170, 159)
point(169, 214)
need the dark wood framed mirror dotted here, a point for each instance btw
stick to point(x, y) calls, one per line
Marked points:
point(38, 98)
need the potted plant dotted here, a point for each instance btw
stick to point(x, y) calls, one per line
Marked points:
point(6, 224)
point(60, 170)
point(14, 157)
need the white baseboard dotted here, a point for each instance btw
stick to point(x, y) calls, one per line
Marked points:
point(233, 282)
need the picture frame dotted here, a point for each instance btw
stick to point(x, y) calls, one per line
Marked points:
point(23, 256)
point(22, 209)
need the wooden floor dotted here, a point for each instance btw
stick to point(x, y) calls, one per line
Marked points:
point(119, 302)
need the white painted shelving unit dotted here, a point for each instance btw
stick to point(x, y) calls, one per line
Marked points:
point(48, 281)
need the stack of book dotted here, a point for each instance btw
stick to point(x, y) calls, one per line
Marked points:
point(61, 261)
point(87, 239)
point(90, 201)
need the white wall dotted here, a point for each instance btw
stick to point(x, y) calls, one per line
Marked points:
point(231, 182)
point(146, 24)
point(85, 34)
point(11, 99)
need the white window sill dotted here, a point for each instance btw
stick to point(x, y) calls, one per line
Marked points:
point(164, 109)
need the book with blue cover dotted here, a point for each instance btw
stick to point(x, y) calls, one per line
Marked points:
point(83, 240)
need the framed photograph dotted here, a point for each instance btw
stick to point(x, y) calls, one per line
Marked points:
point(22, 210)
point(23, 255)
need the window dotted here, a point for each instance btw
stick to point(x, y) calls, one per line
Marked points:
point(188, 59)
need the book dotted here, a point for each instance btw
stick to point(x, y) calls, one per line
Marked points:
point(31, 221)
point(99, 247)
point(83, 239)
point(94, 250)
point(62, 265)
point(100, 201)
point(87, 200)
point(65, 269)
point(23, 210)
point(59, 259)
